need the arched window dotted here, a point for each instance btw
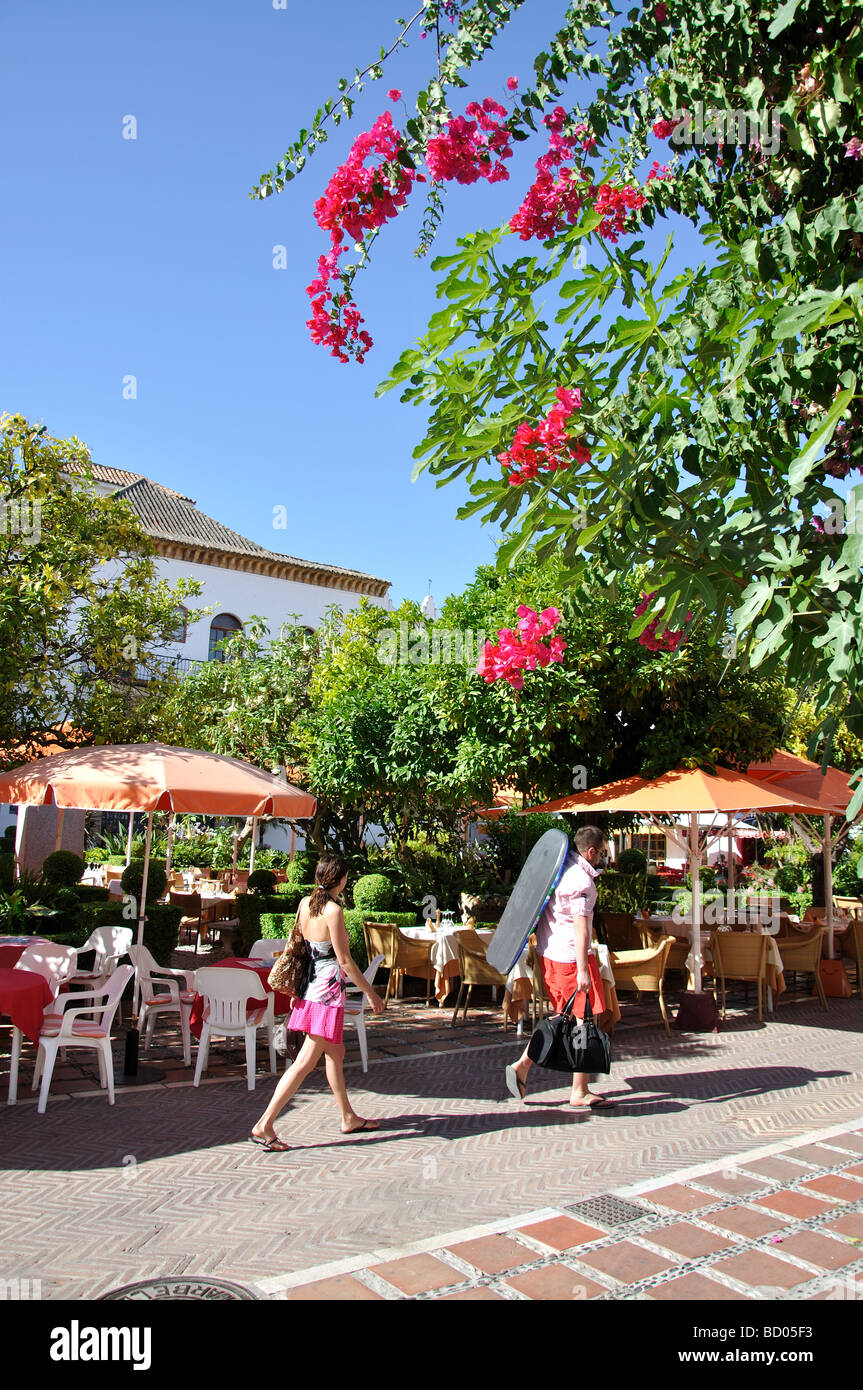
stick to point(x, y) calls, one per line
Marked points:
point(221, 627)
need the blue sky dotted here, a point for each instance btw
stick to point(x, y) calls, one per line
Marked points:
point(146, 257)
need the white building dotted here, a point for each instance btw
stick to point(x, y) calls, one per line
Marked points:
point(239, 578)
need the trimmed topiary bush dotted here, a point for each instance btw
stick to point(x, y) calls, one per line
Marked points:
point(631, 861)
point(62, 868)
point(262, 881)
point(373, 893)
point(133, 879)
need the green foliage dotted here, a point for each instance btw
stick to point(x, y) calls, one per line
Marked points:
point(7, 872)
point(71, 636)
point(616, 892)
point(354, 919)
point(14, 920)
point(721, 401)
point(262, 881)
point(301, 869)
point(133, 880)
point(91, 893)
point(62, 867)
point(95, 854)
point(632, 861)
point(373, 893)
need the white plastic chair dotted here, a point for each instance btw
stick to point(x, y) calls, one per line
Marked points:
point(71, 1028)
point(55, 964)
point(225, 994)
point(267, 948)
point(109, 943)
point(176, 996)
point(355, 1009)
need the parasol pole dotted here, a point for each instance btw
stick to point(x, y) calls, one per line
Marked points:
point(731, 876)
point(142, 904)
point(169, 852)
point(695, 879)
point(828, 880)
point(254, 837)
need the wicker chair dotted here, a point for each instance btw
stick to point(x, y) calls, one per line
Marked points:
point(620, 931)
point(475, 970)
point(851, 945)
point(804, 957)
point(644, 971)
point(740, 956)
point(849, 907)
point(399, 953)
point(192, 920)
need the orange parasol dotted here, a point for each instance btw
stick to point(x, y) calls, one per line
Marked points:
point(153, 777)
point(680, 792)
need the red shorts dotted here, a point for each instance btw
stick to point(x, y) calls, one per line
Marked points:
point(561, 977)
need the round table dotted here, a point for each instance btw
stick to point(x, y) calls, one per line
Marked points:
point(23, 996)
point(261, 968)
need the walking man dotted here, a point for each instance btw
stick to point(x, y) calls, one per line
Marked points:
point(563, 937)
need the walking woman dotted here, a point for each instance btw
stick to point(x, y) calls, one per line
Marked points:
point(321, 1011)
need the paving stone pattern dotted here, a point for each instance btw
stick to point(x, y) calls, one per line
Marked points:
point(165, 1182)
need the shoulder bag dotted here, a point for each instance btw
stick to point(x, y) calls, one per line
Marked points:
point(561, 1043)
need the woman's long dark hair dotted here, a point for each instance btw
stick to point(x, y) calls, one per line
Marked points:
point(329, 873)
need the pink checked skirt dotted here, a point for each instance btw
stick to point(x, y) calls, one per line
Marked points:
point(320, 1020)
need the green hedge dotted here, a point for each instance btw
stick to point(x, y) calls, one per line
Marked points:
point(617, 892)
point(161, 930)
point(279, 924)
point(90, 893)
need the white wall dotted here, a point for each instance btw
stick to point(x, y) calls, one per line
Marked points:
point(245, 595)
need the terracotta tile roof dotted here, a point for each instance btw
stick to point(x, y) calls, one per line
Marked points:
point(178, 525)
point(122, 477)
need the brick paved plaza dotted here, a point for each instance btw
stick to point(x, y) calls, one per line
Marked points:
point(463, 1192)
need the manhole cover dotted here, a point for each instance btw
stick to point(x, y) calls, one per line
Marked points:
point(207, 1290)
point(608, 1211)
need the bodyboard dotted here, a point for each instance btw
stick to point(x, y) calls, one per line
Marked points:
point(534, 886)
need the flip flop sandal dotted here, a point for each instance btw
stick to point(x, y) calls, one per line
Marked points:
point(271, 1146)
point(370, 1125)
point(515, 1087)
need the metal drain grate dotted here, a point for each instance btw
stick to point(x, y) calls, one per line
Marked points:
point(608, 1211)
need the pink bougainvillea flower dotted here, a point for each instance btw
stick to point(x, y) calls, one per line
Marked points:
point(519, 649)
point(512, 83)
point(854, 148)
point(359, 198)
point(394, 94)
point(472, 146)
point(661, 13)
point(547, 445)
point(670, 639)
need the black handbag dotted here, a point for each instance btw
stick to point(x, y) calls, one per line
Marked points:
point(561, 1043)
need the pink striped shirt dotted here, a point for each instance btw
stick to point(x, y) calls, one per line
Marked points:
point(574, 896)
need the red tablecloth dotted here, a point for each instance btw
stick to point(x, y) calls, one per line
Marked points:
point(261, 968)
point(23, 996)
